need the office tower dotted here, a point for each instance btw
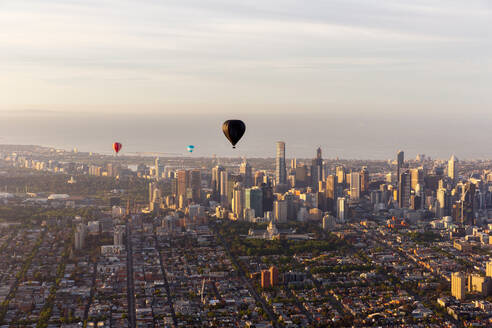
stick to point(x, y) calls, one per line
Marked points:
point(442, 204)
point(330, 192)
point(196, 185)
point(254, 200)
point(468, 204)
point(273, 275)
point(224, 184)
point(354, 186)
point(280, 170)
point(340, 172)
point(301, 176)
point(246, 173)
point(400, 158)
point(452, 168)
point(458, 285)
point(280, 210)
point(216, 171)
point(238, 200)
point(259, 177)
point(316, 170)
point(268, 197)
point(417, 177)
point(364, 180)
point(183, 181)
point(404, 188)
point(488, 269)
point(265, 279)
point(157, 171)
point(341, 208)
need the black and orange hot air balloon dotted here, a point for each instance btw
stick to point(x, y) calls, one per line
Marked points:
point(234, 130)
point(117, 147)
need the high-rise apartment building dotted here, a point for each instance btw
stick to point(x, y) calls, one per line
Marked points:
point(354, 186)
point(364, 180)
point(238, 200)
point(280, 169)
point(341, 208)
point(452, 167)
point(265, 279)
point(458, 285)
point(273, 275)
point(224, 185)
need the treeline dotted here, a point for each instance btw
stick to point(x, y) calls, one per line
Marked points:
point(30, 214)
point(86, 185)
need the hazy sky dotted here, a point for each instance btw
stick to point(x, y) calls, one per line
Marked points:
point(235, 58)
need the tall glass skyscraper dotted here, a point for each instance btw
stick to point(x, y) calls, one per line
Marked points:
point(280, 169)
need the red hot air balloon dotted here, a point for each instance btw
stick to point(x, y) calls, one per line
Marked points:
point(117, 147)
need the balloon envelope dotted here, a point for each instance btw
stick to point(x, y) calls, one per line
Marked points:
point(190, 148)
point(117, 147)
point(234, 130)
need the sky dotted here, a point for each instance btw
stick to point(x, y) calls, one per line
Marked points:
point(313, 63)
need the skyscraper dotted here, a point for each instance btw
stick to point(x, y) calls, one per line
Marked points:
point(400, 158)
point(238, 200)
point(259, 176)
point(340, 172)
point(196, 185)
point(417, 177)
point(224, 192)
point(452, 167)
point(331, 190)
point(246, 172)
point(157, 171)
point(404, 189)
point(216, 171)
point(354, 186)
point(341, 208)
point(253, 198)
point(316, 170)
point(183, 181)
point(280, 208)
point(280, 169)
point(364, 180)
point(441, 209)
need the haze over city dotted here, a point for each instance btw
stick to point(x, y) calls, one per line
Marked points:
point(365, 67)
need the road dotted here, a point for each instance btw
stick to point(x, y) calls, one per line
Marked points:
point(166, 284)
point(129, 277)
point(247, 283)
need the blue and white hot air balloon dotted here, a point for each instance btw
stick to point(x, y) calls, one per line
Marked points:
point(190, 148)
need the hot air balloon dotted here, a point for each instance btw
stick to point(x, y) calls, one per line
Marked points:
point(190, 148)
point(233, 130)
point(117, 147)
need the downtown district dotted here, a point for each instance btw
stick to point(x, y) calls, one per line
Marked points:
point(99, 241)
